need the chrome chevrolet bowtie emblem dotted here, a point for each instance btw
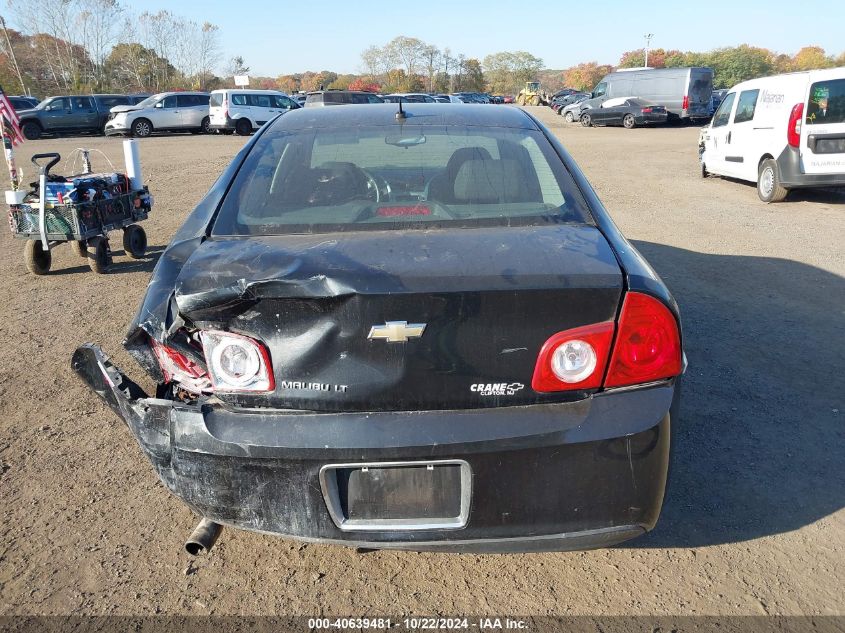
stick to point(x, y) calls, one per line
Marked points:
point(396, 331)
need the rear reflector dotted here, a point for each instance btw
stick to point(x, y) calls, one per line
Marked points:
point(585, 351)
point(648, 344)
point(391, 212)
point(793, 128)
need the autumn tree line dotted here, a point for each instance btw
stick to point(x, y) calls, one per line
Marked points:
point(78, 46)
point(731, 65)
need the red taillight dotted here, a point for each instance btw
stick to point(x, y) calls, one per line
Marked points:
point(647, 348)
point(597, 338)
point(793, 128)
point(685, 104)
point(176, 367)
point(648, 344)
point(647, 110)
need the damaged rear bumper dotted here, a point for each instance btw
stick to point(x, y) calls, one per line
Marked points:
point(553, 477)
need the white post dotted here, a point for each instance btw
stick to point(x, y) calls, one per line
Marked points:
point(648, 37)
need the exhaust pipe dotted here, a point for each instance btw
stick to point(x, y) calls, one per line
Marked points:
point(203, 537)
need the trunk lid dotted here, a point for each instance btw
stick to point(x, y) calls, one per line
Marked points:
point(489, 299)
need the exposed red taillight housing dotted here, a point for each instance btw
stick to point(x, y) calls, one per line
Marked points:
point(685, 104)
point(646, 348)
point(793, 128)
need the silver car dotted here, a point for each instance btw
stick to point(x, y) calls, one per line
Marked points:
point(163, 112)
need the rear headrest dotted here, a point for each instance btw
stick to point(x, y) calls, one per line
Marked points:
point(488, 181)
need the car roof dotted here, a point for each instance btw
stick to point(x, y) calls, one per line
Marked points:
point(415, 114)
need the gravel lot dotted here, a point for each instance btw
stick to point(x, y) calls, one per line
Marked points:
point(753, 522)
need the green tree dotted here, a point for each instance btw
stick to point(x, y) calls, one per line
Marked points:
point(133, 67)
point(739, 63)
point(507, 72)
point(473, 76)
point(811, 58)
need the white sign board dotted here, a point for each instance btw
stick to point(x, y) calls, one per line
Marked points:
point(242, 80)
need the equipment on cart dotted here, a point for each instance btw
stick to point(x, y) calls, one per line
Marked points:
point(81, 209)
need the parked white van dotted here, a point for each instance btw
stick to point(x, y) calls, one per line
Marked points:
point(242, 110)
point(782, 132)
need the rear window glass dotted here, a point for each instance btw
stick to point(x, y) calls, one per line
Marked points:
point(216, 100)
point(827, 102)
point(336, 179)
point(746, 105)
point(110, 102)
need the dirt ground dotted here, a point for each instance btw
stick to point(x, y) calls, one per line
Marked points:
point(753, 522)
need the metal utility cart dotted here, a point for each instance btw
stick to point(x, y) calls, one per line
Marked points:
point(82, 210)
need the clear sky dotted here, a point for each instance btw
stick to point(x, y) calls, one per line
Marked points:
point(293, 36)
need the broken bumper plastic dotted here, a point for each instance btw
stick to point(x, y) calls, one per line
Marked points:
point(544, 477)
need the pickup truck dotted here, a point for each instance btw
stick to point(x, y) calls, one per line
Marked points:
point(73, 114)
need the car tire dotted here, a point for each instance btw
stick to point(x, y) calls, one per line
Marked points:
point(142, 128)
point(31, 131)
point(79, 247)
point(99, 255)
point(768, 182)
point(628, 122)
point(134, 241)
point(243, 127)
point(586, 120)
point(205, 126)
point(569, 117)
point(37, 260)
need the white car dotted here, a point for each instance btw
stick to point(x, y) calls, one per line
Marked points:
point(242, 110)
point(163, 112)
point(783, 132)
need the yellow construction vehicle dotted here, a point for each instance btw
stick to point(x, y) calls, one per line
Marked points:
point(532, 95)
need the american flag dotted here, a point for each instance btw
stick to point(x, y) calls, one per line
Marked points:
point(11, 122)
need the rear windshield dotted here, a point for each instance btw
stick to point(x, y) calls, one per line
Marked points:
point(338, 179)
point(216, 99)
point(827, 102)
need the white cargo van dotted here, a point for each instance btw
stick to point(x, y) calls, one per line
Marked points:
point(243, 110)
point(782, 132)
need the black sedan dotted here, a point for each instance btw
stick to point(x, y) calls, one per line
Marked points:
point(415, 330)
point(629, 114)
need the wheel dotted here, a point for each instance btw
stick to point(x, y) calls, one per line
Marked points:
point(243, 127)
point(142, 128)
point(586, 119)
point(99, 255)
point(205, 126)
point(31, 131)
point(134, 241)
point(628, 122)
point(37, 259)
point(520, 100)
point(569, 117)
point(535, 100)
point(79, 247)
point(768, 182)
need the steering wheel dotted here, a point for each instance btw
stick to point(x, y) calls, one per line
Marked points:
point(374, 185)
